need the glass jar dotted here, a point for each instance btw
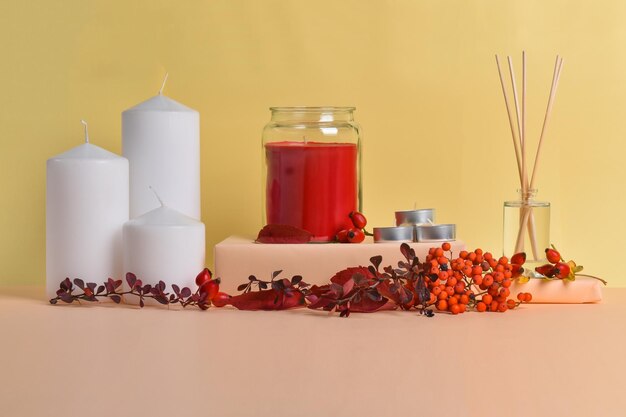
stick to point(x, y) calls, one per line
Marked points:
point(527, 227)
point(312, 172)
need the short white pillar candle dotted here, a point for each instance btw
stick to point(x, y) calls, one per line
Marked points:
point(164, 245)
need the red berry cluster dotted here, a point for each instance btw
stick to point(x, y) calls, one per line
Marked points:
point(355, 234)
point(557, 268)
point(211, 286)
point(473, 280)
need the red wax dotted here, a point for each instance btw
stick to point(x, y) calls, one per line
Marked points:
point(312, 186)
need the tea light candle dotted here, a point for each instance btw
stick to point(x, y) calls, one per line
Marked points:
point(161, 139)
point(393, 234)
point(435, 232)
point(165, 245)
point(86, 206)
point(413, 217)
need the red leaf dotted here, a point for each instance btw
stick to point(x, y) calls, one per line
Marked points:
point(267, 300)
point(367, 305)
point(282, 233)
point(344, 276)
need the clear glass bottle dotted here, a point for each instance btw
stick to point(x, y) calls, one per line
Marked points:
point(527, 227)
point(312, 174)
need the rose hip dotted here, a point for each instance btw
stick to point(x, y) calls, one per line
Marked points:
point(562, 270)
point(342, 236)
point(358, 219)
point(356, 236)
point(203, 277)
point(553, 255)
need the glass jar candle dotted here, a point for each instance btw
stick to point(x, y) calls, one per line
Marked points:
point(527, 227)
point(312, 170)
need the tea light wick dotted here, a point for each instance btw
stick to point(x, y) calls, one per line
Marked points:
point(163, 84)
point(430, 222)
point(86, 131)
point(304, 139)
point(156, 195)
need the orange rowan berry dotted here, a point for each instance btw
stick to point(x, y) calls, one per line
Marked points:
point(454, 309)
point(452, 281)
point(442, 305)
point(506, 283)
point(488, 280)
point(463, 254)
point(498, 276)
point(452, 301)
point(502, 307)
point(438, 252)
point(493, 306)
point(511, 304)
point(464, 299)
point(481, 307)
point(487, 299)
point(478, 279)
point(446, 246)
point(459, 288)
point(449, 290)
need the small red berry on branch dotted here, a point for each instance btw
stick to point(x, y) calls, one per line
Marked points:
point(358, 220)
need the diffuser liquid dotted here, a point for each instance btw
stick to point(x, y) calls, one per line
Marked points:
point(537, 230)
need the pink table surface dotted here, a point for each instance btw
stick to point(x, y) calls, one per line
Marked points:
point(105, 360)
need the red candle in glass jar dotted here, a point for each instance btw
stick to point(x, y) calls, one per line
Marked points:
point(312, 185)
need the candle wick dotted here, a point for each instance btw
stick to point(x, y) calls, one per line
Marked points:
point(431, 222)
point(415, 205)
point(304, 138)
point(156, 195)
point(86, 131)
point(163, 85)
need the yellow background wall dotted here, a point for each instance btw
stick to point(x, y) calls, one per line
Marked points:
point(420, 72)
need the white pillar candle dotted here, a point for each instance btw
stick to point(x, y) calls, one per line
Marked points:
point(161, 139)
point(164, 245)
point(86, 206)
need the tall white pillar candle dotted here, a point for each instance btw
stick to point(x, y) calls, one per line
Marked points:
point(164, 245)
point(86, 206)
point(161, 139)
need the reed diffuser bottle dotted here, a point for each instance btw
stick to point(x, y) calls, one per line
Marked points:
point(526, 221)
point(535, 236)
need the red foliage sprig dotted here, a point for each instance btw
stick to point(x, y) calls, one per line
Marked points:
point(78, 290)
